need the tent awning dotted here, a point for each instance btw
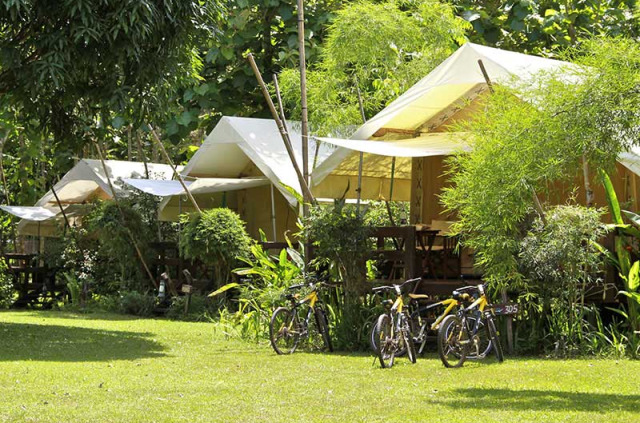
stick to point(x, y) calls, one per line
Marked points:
point(434, 144)
point(32, 213)
point(164, 188)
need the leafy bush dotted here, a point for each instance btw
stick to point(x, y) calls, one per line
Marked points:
point(137, 304)
point(341, 236)
point(216, 237)
point(6, 286)
point(117, 265)
point(201, 308)
point(559, 260)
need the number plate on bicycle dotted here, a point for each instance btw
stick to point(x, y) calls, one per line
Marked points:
point(506, 309)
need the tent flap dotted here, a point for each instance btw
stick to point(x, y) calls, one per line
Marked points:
point(164, 188)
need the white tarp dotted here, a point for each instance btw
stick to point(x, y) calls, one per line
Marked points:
point(237, 144)
point(31, 213)
point(87, 178)
point(452, 80)
point(434, 144)
point(163, 188)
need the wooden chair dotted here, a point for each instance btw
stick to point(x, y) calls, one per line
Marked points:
point(445, 255)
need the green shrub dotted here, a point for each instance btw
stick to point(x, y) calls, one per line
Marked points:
point(137, 304)
point(6, 286)
point(200, 308)
point(216, 237)
point(559, 260)
point(341, 236)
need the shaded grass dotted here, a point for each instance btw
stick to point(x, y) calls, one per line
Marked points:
point(65, 367)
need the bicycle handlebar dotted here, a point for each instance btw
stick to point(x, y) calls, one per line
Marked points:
point(395, 286)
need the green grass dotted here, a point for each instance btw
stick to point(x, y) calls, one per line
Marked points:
point(65, 367)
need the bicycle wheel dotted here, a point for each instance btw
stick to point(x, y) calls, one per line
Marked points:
point(373, 337)
point(451, 342)
point(387, 341)
point(284, 331)
point(481, 345)
point(495, 338)
point(408, 338)
point(323, 327)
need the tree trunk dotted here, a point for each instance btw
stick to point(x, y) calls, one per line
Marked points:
point(587, 184)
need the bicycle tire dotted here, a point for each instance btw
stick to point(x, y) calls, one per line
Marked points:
point(449, 334)
point(386, 343)
point(284, 331)
point(484, 340)
point(323, 327)
point(408, 338)
point(373, 343)
point(495, 339)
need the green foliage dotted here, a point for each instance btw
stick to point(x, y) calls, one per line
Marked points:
point(377, 213)
point(341, 236)
point(200, 308)
point(74, 286)
point(533, 136)
point(117, 264)
point(381, 48)
point(546, 27)
point(6, 286)
point(559, 261)
point(216, 237)
point(71, 63)
point(136, 303)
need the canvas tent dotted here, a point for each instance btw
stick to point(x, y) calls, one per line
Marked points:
point(243, 148)
point(85, 182)
point(419, 122)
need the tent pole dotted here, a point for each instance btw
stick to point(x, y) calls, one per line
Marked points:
point(273, 214)
point(66, 219)
point(304, 118)
point(283, 131)
point(141, 154)
point(115, 199)
point(175, 172)
point(361, 154)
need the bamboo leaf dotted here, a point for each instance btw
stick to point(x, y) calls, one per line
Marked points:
point(224, 289)
point(612, 198)
point(634, 277)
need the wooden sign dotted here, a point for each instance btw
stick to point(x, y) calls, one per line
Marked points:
point(187, 289)
point(506, 309)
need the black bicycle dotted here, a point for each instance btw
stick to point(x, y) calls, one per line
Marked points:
point(289, 325)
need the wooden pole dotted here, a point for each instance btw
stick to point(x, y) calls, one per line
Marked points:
point(66, 219)
point(486, 76)
point(361, 154)
point(175, 172)
point(304, 118)
point(142, 155)
point(283, 131)
point(115, 199)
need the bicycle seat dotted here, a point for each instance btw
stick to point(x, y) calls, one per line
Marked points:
point(418, 296)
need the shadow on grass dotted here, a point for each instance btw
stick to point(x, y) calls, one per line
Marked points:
point(522, 400)
point(23, 341)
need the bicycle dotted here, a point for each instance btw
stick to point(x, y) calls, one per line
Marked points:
point(458, 333)
point(392, 329)
point(286, 328)
point(420, 325)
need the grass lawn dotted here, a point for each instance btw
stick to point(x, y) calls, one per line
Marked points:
point(66, 367)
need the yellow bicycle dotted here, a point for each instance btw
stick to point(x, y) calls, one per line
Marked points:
point(459, 334)
point(288, 327)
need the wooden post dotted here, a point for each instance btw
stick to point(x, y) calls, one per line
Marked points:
point(66, 220)
point(361, 154)
point(173, 168)
point(416, 190)
point(115, 199)
point(283, 131)
point(304, 118)
point(505, 299)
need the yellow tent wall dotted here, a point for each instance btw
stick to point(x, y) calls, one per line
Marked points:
point(429, 179)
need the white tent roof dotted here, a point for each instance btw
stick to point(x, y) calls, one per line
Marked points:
point(199, 186)
point(87, 178)
point(83, 182)
point(236, 143)
point(34, 214)
point(444, 94)
point(456, 79)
